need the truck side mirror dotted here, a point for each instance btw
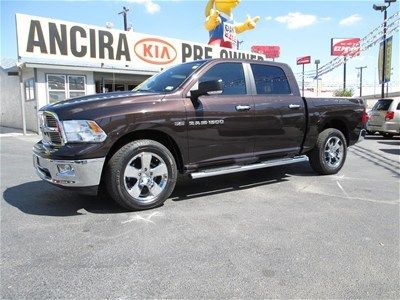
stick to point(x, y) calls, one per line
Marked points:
point(212, 87)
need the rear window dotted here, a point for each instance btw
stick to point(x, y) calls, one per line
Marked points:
point(382, 104)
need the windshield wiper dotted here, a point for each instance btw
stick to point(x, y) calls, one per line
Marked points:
point(145, 90)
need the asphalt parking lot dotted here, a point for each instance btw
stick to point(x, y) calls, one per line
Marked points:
point(273, 233)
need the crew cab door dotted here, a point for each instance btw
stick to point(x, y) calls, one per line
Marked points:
point(221, 126)
point(279, 112)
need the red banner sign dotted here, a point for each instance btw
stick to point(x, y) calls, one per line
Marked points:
point(304, 60)
point(268, 51)
point(345, 47)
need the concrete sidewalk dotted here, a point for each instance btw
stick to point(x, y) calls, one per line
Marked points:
point(9, 132)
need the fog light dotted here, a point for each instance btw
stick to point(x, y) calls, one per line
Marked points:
point(65, 169)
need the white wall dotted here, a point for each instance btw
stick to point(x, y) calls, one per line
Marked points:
point(30, 105)
point(10, 100)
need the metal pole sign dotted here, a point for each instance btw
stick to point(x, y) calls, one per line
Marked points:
point(388, 66)
point(303, 60)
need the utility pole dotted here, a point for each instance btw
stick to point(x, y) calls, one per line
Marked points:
point(124, 12)
point(360, 74)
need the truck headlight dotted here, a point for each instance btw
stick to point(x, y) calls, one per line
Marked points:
point(83, 131)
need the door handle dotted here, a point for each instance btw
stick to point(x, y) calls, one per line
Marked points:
point(243, 107)
point(294, 106)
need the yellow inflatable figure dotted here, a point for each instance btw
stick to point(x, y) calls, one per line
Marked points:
point(220, 24)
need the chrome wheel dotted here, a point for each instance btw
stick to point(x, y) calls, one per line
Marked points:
point(145, 177)
point(333, 152)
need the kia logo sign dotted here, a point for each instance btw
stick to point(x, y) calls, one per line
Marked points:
point(345, 47)
point(304, 60)
point(155, 51)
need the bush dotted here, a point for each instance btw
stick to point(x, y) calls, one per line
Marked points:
point(343, 93)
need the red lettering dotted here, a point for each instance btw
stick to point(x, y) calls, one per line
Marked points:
point(165, 53)
point(147, 50)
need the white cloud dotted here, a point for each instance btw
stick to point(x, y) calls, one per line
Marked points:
point(351, 20)
point(269, 18)
point(295, 20)
point(150, 5)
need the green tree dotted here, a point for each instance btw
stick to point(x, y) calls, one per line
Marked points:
point(344, 93)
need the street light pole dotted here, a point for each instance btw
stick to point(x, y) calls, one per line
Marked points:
point(361, 71)
point(124, 13)
point(384, 9)
point(317, 62)
point(344, 73)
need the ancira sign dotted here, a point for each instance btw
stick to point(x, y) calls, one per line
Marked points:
point(303, 60)
point(345, 47)
point(66, 41)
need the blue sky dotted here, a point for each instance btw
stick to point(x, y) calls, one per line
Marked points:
point(299, 27)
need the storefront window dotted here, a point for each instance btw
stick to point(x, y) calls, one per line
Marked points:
point(61, 87)
point(76, 86)
point(56, 87)
point(30, 89)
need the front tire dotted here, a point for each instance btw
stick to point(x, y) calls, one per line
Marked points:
point(329, 153)
point(141, 175)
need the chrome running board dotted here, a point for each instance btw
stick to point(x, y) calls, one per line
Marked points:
point(236, 169)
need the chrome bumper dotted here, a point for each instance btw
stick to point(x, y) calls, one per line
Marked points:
point(361, 137)
point(80, 173)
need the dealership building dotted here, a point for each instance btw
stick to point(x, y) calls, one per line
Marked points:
point(58, 60)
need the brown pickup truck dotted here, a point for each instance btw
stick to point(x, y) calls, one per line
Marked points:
point(203, 118)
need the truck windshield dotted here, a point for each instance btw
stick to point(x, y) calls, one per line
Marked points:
point(170, 79)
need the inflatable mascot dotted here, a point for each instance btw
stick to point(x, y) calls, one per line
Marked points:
point(221, 26)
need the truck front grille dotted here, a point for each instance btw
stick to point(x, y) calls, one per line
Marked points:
point(50, 128)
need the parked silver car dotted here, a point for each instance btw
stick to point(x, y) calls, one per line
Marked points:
point(384, 118)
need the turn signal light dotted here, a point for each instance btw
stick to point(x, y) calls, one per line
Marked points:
point(389, 116)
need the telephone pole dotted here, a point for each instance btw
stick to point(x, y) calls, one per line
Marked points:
point(124, 12)
point(360, 74)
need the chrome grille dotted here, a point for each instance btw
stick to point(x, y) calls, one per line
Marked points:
point(50, 129)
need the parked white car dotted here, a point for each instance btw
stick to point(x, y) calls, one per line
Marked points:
point(384, 118)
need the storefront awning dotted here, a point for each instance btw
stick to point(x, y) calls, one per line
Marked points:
point(73, 65)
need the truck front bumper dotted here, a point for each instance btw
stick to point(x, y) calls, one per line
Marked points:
point(82, 175)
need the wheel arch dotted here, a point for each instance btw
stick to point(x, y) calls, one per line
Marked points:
point(148, 134)
point(339, 124)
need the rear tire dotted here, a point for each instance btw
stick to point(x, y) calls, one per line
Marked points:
point(141, 175)
point(329, 153)
point(387, 135)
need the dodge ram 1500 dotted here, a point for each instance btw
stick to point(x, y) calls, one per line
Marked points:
point(202, 118)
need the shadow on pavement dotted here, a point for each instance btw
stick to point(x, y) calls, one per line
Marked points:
point(391, 151)
point(189, 189)
point(41, 198)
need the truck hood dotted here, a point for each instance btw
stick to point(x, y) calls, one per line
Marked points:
point(95, 106)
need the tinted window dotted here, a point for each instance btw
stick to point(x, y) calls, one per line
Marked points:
point(398, 106)
point(382, 104)
point(232, 76)
point(169, 79)
point(270, 80)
